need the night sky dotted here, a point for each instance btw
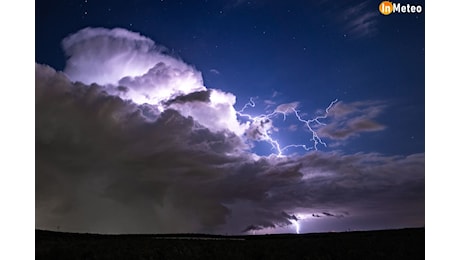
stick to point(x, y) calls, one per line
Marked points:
point(199, 116)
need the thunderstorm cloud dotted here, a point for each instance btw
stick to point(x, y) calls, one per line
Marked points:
point(129, 140)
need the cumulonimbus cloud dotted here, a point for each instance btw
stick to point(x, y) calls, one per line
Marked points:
point(105, 163)
point(135, 68)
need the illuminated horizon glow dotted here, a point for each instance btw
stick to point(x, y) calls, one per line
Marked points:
point(264, 125)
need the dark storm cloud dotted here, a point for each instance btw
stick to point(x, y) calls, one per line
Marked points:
point(104, 164)
point(328, 214)
point(325, 214)
point(98, 157)
point(108, 164)
point(293, 217)
point(200, 96)
point(351, 119)
point(252, 227)
point(101, 166)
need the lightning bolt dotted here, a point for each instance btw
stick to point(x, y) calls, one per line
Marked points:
point(315, 138)
point(262, 126)
point(251, 103)
point(297, 226)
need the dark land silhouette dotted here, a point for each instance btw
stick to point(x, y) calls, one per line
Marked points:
point(383, 244)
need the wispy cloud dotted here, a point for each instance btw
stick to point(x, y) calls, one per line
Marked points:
point(349, 120)
point(214, 71)
point(357, 19)
point(360, 20)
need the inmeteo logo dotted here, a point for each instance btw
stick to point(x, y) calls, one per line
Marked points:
point(387, 7)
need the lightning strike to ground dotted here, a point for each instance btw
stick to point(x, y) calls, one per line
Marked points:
point(263, 124)
point(297, 226)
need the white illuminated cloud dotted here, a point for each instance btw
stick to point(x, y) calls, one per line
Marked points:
point(133, 67)
point(119, 57)
point(217, 115)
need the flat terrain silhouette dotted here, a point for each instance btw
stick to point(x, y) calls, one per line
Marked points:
point(383, 244)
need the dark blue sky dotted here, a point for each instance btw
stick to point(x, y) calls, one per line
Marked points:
point(307, 51)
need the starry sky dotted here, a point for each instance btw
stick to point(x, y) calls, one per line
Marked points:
point(147, 116)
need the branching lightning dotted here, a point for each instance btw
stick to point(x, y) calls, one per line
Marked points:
point(260, 126)
point(315, 138)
